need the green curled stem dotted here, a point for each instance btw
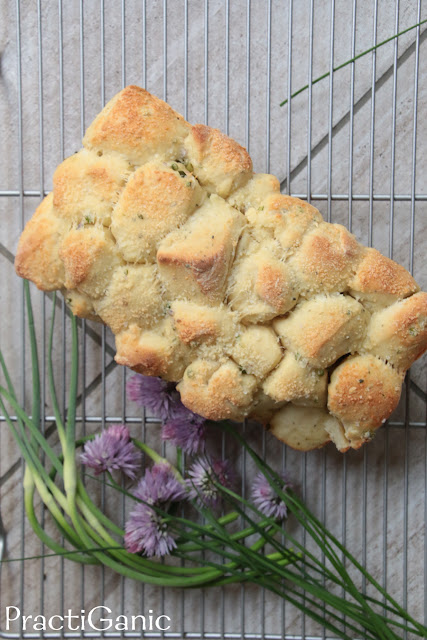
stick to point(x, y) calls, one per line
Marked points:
point(29, 491)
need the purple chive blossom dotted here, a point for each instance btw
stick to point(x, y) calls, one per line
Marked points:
point(181, 426)
point(146, 530)
point(112, 450)
point(159, 486)
point(266, 499)
point(186, 430)
point(204, 475)
point(155, 394)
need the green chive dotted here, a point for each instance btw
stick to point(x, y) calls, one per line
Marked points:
point(351, 60)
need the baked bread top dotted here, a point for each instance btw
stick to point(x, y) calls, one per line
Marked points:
point(210, 277)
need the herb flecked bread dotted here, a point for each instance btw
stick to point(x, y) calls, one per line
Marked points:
point(210, 277)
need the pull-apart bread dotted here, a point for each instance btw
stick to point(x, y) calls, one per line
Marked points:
point(210, 277)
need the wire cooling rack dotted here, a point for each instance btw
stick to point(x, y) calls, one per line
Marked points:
point(353, 144)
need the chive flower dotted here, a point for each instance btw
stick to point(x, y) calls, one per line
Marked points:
point(266, 499)
point(185, 430)
point(205, 475)
point(112, 450)
point(160, 397)
point(160, 486)
point(181, 427)
point(146, 530)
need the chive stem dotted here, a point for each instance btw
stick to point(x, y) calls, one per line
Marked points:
point(351, 60)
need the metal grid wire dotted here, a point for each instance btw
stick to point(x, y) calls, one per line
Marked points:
point(352, 145)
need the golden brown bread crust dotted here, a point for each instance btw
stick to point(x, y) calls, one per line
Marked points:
point(283, 218)
point(254, 192)
point(90, 257)
point(398, 334)
point(292, 381)
point(86, 186)
point(133, 296)
point(37, 256)
point(256, 350)
point(379, 281)
point(221, 165)
point(260, 286)
point(196, 323)
point(210, 277)
point(194, 260)
point(362, 394)
point(326, 259)
point(138, 126)
point(155, 201)
point(217, 391)
point(153, 353)
point(324, 328)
